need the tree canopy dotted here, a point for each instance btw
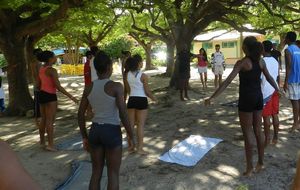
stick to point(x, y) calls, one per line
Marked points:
point(24, 23)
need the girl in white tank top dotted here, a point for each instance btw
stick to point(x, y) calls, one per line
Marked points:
point(138, 90)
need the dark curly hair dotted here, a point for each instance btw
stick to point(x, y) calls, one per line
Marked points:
point(44, 56)
point(102, 62)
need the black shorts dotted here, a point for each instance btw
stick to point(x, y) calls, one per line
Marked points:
point(105, 135)
point(37, 112)
point(139, 103)
point(45, 97)
point(251, 102)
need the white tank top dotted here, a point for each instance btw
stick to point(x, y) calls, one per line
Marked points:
point(135, 83)
point(273, 68)
point(104, 106)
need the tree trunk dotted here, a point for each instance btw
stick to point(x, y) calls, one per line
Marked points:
point(181, 44)
point(20, 99)
point(149, 65)
point(282, 42)
point(170, 59)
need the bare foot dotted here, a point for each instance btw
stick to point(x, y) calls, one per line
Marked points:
point(188, 98)
point(294, 128)
point(142, 152)
point(131, 150)
point(274, 141)
point(51, 149)
point(259, 168)
point(182, 99)
point(248, 172)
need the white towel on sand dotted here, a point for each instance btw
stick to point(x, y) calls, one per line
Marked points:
point(189, 151)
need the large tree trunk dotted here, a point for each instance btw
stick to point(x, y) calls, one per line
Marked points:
point(20, 99)
point(147, 49)
point(282, 42)
point(170, 59)
point(181, 44)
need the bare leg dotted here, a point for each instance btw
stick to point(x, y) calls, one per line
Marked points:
point(257, 117)
point(141, 119)
point(50, 118)
point(220, 80)
point(186, 86)
point(295, 105)
point(113, 158)
point(246, 122)
point(202, 80)
point(131, 116)
point(42, 125)
point(97, 157)
point(216, 81)
point(181, 88)
point(267, 124)
point(205, 79)
point(276, 128)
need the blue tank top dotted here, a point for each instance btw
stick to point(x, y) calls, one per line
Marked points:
point(294, 76)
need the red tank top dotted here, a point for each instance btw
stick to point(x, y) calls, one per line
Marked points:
point(47, 83)
point(201, 61)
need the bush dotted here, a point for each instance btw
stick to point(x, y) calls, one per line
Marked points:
point(114, 48)
point(3, 61)
point(68, 69)
point(158, 63)
point(138, 50)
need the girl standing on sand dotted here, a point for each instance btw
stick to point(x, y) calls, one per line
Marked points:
point(48, 83)
point(138, 90)
point(104, 141)
point(250, 98)
point(202, 67)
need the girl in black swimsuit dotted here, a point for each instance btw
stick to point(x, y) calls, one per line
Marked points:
point(250, 98)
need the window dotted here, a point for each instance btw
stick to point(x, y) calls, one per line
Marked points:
point(207, 45)
point(228, 44)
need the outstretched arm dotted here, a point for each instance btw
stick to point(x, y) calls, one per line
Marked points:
point(81, 115)
point(237, 68)
point(54, 75)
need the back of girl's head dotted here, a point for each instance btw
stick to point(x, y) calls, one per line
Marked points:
point(132, 63)
point(138, 57)
point(45, 56)
point(268, 46)
point(255, 50)
point(102, 62)
point(88, 53)
point(94, 50)
point(37, 51)
point(249, 40)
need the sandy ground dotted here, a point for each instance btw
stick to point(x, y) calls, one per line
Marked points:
point(169, 122)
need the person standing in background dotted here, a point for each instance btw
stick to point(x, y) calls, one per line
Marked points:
point(270, 97)
point(184, 57)
point(218, 65)
point(202, 67)
point(292, 78)
point(87, 68)
point(277, 55)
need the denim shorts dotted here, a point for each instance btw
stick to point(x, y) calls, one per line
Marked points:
point(105, 135)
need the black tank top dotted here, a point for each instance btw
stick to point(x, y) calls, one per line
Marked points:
point(250, 80)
